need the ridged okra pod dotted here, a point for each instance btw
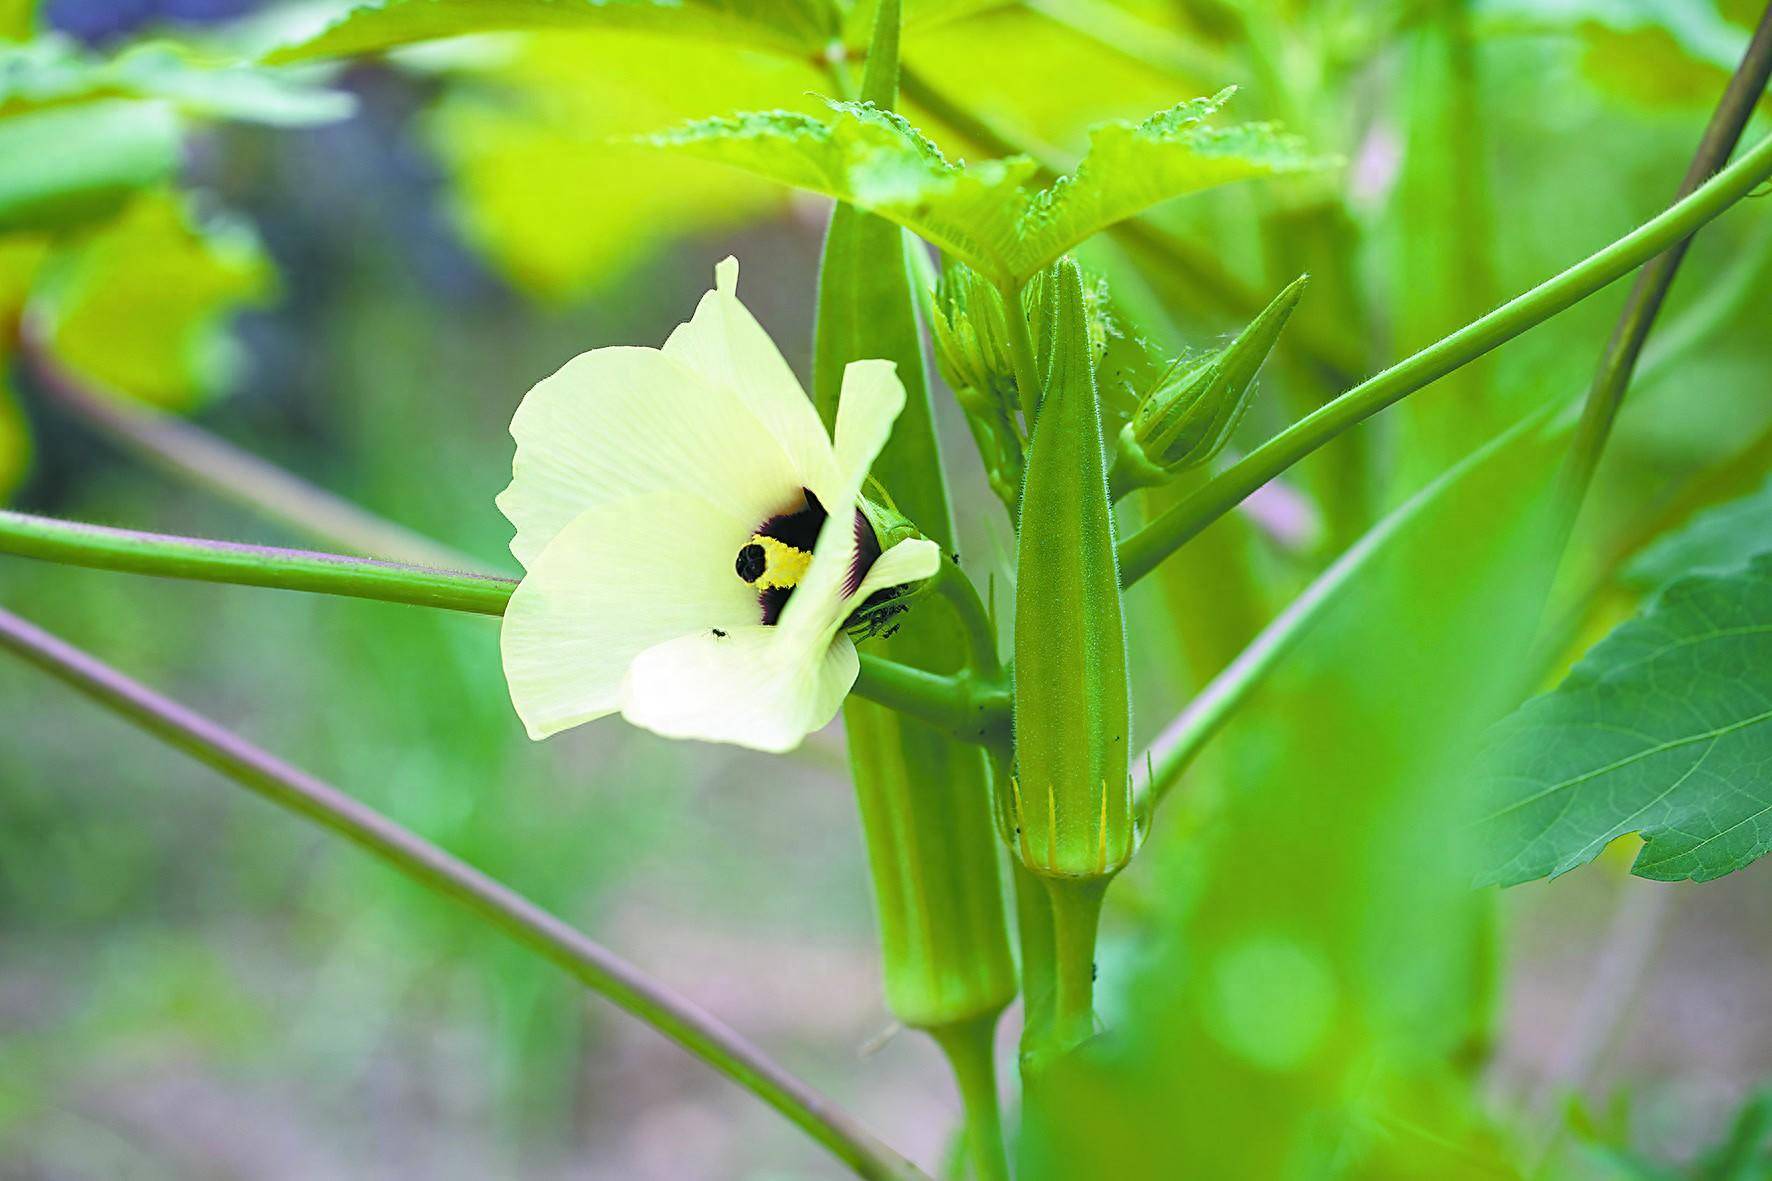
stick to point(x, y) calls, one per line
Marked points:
point(1068, 811)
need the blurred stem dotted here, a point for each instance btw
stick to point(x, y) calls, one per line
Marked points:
point(971, 707)
point(603, 972)
point(193, 454)
point(1141, 552)
point(970, 1048)
point(1727, 122)
point(1182, 740)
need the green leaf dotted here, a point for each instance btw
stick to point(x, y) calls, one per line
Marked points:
point(1719, 538)
point(1661, 730)
point(797, 27)
point(530, 141)
point(65, 165)
point(52, 71)
point(987, 214)
point(141, 306)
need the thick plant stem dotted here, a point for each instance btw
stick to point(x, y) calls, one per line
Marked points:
point(971, 707)
point(194, 455)
point(1140, 553)
point(1076, 917)
point(970, 1048)
point(597, 968)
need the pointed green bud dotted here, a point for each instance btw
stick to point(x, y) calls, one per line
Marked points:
point(1042, 298)
point(1068, 808)
point(1190, 415)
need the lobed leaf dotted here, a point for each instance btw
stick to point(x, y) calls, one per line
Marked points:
point(987, 214)
point(1664, 729)
point(798, 27)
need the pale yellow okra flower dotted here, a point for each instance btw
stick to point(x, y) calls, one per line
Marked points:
point(693, 547)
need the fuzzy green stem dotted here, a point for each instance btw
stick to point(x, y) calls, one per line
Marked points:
point(971, 707)
point(970, 1048)
point(1076, 917)
point(1140, 553)
point(597, 968)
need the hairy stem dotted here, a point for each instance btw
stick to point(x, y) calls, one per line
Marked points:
point(1076, 917)
point(602, 971)
point(1021, 356)
point(1140, 553)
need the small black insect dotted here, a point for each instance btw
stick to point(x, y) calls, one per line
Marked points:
point(1094, 970)
point(720, 633)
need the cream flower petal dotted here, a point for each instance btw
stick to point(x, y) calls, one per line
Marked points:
point(619, 579)
point(911, 560)
point(617, 422)
point(751, 687)
point(725, 345)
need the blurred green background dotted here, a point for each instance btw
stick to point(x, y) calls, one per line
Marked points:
point(195, 985)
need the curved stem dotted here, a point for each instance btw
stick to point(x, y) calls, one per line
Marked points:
point(193, 454)
point(969, 707)
point(597, 968)
point(1076, 917)
point(1618, 362)
point(981, 635)
point(970, 1048)
point(1141, 552)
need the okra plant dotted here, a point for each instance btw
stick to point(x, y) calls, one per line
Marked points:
point(1190, 715)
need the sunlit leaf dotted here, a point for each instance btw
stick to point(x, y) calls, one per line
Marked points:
point(987, 214)
point(788, 26)
point(65, 165)
point(141, 305)
point(1717, 539)
point(542, 184)
point(1664, 729)
point(54, 70)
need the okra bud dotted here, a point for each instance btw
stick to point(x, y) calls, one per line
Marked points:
point(1189, 417)
point(1069, 804)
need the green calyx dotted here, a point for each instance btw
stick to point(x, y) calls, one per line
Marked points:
point(1067, 811)
point(1189, 417)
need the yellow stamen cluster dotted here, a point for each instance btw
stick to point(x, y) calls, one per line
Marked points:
point(783, 565)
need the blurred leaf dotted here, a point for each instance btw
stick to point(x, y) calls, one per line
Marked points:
point(985, 214)
point(1717, 539)
point(66, 165)
point(18, 19)
point(1660, 730)
point(540, 184)
point(141, 305)
point(55, 70)
point(20, 258)
point(795, 27)
point(1320, 976)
